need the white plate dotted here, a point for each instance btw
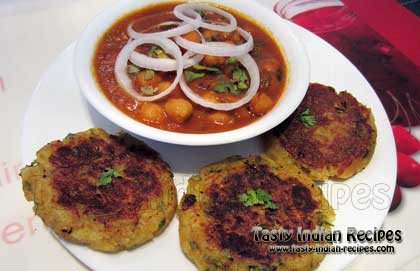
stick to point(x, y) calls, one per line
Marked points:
point(58, 108)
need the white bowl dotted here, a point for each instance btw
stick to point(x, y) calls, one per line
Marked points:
point(296, 60)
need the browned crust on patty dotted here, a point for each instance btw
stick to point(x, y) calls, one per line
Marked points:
point(215, 227)
point(339, 144)
point(64, 185)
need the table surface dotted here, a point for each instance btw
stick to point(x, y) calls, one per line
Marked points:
point(33, 33)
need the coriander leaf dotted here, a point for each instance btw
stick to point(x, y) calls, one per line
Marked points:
point(156, 51)
point(262, 195)
point(206, 68)
point(242, 85)
point(235, 90)
point(131, 68)
point(106, 177)
point(149, 90)
point(223, 85)
point(231, 60)
point(307, 119)
point(149, 74)
point(239, 75)
point(162, 223)
point(257, 197)
point(189, 75)
point(270, 205)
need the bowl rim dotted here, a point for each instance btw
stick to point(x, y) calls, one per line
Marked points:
point(293, 50)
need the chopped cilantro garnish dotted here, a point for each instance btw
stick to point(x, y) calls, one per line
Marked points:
point(240, 79)
point(223, 85)
point(106, 177)
point(257, 197)
point(149, 90)
point(307, 119)
point(240, 75)
point(162, 223)
point(131, 68)
point(189, 75)
point(149, 74)
point(206, 68)
point(156, 51)
point(231, 60)
point(242, 85)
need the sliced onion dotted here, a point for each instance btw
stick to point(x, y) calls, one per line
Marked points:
point(251, 66)
point(121, 66)
point(182, 28)
point(182, 11)
point(207, 48)
point(164, 64)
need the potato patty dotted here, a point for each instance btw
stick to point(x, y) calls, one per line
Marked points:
point(108, 192)
point(216, 224)
point(329, 135)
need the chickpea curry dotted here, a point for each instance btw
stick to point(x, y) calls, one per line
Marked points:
point(189, 77)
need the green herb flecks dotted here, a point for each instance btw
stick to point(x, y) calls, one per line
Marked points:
point(257, 197)
point(240, 79)
point(132, 69)
point(224, 86)
point(240, 75)
point(307, 119)
point(106, 177)
point(190, 76)
point(149, 90)
point(231, 60)
point(149, 74)
point(157, 52)
point(162, 224)
point(206, 68)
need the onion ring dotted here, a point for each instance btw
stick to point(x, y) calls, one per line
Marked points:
point(166, 64)
point(180, 12)
point(207, 48)
point(182, 28)
point(120, 69)
point(251, 66)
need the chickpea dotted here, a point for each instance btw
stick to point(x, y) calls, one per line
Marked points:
point(162, 86)
point(152, 113)
point(192, 36)
point(242, 112)
point(269, 65)
point(178, 110)
point(213, 60)
point(221, 118)
point(261, 103)
point(143, 79)
point(210, 35)
point(211, 96)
